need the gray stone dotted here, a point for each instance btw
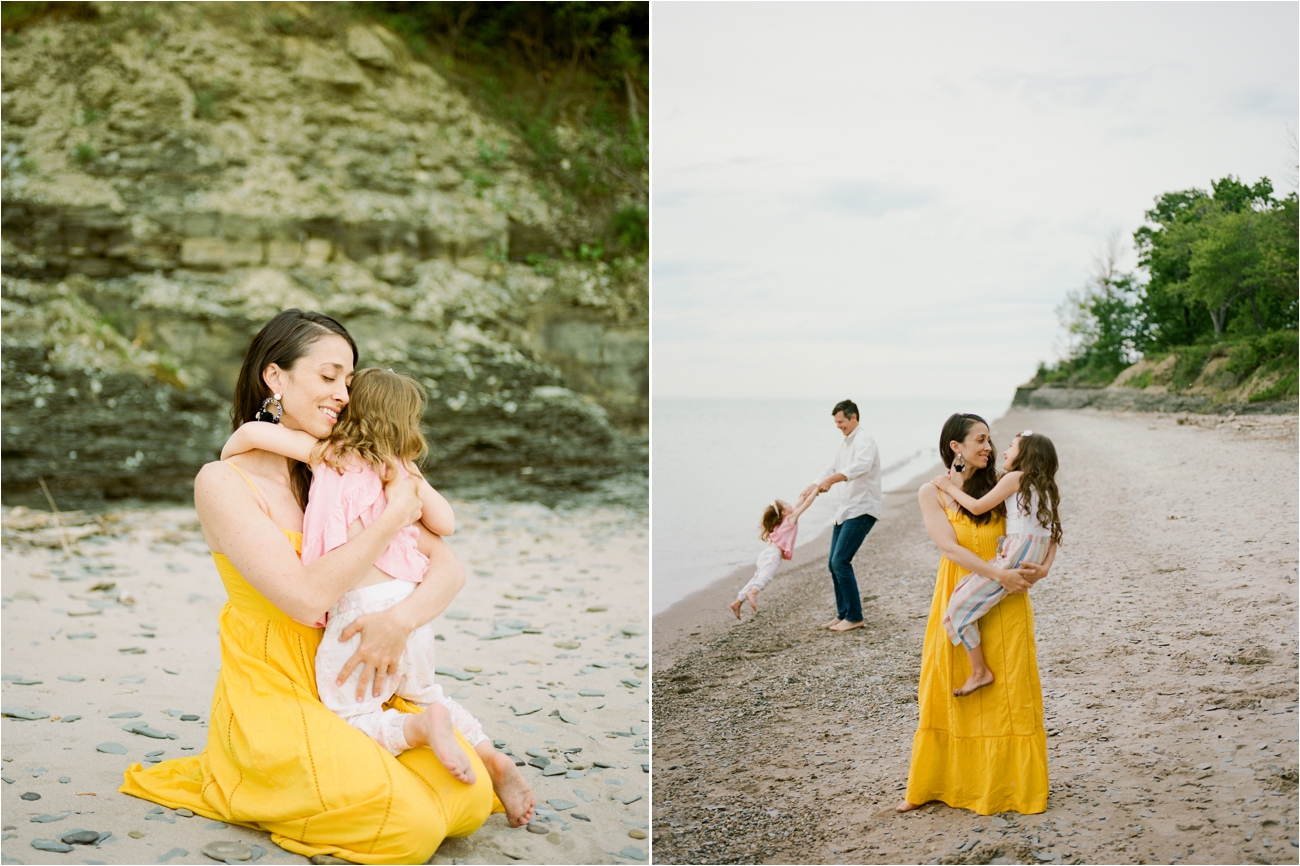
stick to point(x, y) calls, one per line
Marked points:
point(632, 853)
point(51, 845)
point(158, 813)
point(30, 795)
point(173, 854)
point(633, 630)
point(111, 748)
point(573, 774)
point(602, 764)
point(80, 837)
point(185, 813)
point(49, 819)
point(541, 828)
point(69, 719)
point(567, 717)
point(525, 709)
point(189, 717)
point(554, 770)
point(541, 762)
point(7, 780)
point(129, 714)
point(561, 805)
point(63, 780)
point(145, 731)
point(591, 693)
point(226, 850)
point(580, 816)
point(26, 715)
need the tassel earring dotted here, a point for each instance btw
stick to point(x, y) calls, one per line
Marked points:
point(264, 415)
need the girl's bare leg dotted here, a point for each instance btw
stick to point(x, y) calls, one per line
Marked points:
point(511, 788)
point(736, 606)
point(433, 728)
point(980, 675)
point(752, 595)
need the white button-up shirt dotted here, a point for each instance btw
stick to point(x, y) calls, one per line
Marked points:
point(858, 460)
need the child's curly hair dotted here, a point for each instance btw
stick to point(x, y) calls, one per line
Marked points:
point(380, 423)
point(772, 517)
point(1036, 459)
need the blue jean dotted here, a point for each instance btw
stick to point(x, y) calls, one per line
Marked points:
point(846, 538)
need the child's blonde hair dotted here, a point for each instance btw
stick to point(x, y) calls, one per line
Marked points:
point(772, 517)
point(380, 423)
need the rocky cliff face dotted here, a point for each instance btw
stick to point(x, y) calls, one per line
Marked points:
point(176, 174)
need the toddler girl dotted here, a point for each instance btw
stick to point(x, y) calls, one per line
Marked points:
point(1033, 532)
point(380, 431)
point(779, 527)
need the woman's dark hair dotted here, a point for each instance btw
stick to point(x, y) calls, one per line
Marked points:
point(1037, 461)
point(956, 429)
point(772, 517)
point(282, 341)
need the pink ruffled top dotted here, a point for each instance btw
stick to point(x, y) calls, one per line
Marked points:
point(339, 499)
point(783, 537)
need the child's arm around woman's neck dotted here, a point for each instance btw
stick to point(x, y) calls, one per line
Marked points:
point(1006, 486)
point(265, 436)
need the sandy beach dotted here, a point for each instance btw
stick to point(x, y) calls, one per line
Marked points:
point(547, 645)
point(1167, 644)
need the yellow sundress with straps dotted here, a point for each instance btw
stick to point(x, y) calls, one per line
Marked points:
point(987, 751)
point(278, 760)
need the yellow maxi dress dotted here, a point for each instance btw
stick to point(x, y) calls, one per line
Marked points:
point(987, 751)
point(278, 760)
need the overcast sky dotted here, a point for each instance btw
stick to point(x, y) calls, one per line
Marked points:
point(890, 199)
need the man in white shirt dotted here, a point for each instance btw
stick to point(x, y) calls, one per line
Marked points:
point(857, 464)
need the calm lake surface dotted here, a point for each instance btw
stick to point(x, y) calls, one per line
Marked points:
point(717, 463)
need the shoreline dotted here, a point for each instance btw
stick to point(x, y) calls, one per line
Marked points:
point(1167, 651)
point(687, 615)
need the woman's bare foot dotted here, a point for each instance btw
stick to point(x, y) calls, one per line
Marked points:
point(433, 728)
point(736, 605)
point(753, 600)
point(845, 625)
point(831, 624)
point(974, 682)
point(906, 806)
point(514, 792)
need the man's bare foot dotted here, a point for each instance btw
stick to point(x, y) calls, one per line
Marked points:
point(845, 625)
point(831, 624)
point(511, 788)
point(736, 605)
point(907, 807)
point(433, 728)
point(753, 600)
point(974, 682)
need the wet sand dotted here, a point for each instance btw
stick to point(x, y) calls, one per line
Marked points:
point(554, 607)
point(1167, 644)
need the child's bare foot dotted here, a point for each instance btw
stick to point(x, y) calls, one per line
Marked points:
point(736, 605)
point(753, 600)
point(433, 728)
point(845, 625)
point(906, 806)
point(974, 682)
point(831, 624)
point(511, 788)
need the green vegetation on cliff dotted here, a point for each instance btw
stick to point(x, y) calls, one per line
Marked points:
point(1213, 309)
point(176, 173)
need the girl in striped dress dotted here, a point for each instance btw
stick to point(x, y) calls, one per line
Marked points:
point(1033, 532)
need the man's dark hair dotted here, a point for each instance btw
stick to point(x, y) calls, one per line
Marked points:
point(848, 407)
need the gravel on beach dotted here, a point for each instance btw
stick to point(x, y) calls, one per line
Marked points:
point(1167, 645)
point(122, 638)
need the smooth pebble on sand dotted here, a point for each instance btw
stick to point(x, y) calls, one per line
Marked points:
point(227, 850)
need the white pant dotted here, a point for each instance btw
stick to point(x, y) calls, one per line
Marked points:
point(413, 680)
point(767, 564)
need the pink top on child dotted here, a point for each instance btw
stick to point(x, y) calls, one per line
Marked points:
point(783, 537)
point(337, 500)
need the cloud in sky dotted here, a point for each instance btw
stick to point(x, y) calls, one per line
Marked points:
point(892, 199)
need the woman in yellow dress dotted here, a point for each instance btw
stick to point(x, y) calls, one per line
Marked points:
point(986, 751)
point(276, 758)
